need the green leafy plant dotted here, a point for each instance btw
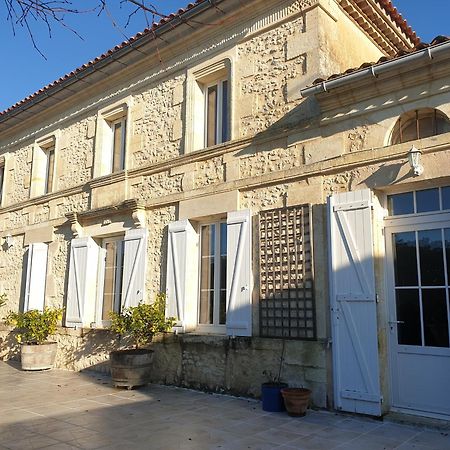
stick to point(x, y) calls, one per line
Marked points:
point(34, 326)
point(143, 321)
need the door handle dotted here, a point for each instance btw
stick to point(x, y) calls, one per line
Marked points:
point(393, 322)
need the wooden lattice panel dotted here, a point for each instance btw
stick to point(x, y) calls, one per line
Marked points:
point(287, 307)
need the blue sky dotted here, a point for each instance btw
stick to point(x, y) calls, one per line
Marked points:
point(24, 70)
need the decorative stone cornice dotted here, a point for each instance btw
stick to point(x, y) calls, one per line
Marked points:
point(137, 209)
point(378, 25)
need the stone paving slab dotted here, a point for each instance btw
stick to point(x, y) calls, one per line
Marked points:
point(68, 410)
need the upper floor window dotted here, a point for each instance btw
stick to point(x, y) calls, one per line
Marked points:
point(419, 124)
point(2, 178)
point(43, 168)
point(118, 128)
point(209, 93)
point(111, 140)
point(216, 113)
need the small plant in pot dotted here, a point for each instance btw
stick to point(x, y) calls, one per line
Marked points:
point(272, 401)
point(132, 367)
point(34, 327)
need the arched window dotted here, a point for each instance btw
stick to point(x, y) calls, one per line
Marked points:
point(419, 124)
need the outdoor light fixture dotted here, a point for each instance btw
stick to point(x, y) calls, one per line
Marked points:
point(8, 241)
point(414, 161)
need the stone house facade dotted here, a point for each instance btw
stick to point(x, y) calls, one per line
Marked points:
point(206, 162)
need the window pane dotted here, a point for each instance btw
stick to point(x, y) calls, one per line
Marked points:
point(110, 280)
point(401, 204)
point(431, 258)
point(207, 274)
point(211, 116)
point(224, 111)
point(435, 318)
point(50, 170)
point(408, 314)
point(2, 175)
point(427, 200)
point(446, 197)
point(447, 251)
point(223, 307)
point(405, 259)
point(426, 126)
point(118, 146)
point(409, 132)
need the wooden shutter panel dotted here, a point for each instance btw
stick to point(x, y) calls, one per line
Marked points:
point(182, 275)
point(353, 303)
point(239, 273)
point(81, 289)
point(36, 276)
point(134, 267)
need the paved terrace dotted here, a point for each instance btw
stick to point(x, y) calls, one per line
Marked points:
point(67, 410)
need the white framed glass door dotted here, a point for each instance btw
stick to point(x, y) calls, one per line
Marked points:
point(418, 274)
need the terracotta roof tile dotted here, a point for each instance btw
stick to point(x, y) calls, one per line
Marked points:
point(386, 4)
point(437, 40)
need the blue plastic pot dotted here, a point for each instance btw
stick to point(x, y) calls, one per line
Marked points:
point(272, 400)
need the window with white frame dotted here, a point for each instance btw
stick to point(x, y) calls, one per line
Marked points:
point(36, 275)
point(209, 278)
point(113, 251)
point(216, 112)
point(213, 275)
point(111, 141)
point(209, 93)
point(105, 274)
point(43, 167)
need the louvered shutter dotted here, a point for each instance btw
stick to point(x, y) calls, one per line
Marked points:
point(239, 273)
point(134, 267)
point(182, 275)
point(81, 289)
point(36, 276)
point(353, 303)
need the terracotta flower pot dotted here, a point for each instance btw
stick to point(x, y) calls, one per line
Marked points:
point(296, 400)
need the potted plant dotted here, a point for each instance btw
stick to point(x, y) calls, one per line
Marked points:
point(34, 327)
point(272, 401)
point(131, 367)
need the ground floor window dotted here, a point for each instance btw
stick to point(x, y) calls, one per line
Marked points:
point(113, 275)
point(213, 274)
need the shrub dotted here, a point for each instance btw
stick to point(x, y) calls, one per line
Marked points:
point(143, 321)
point(34, 326)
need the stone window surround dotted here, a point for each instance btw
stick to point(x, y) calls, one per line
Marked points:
point(103, 132)
point(219, 68)
point(39, 163)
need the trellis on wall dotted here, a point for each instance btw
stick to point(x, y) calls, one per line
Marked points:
point(287, 306)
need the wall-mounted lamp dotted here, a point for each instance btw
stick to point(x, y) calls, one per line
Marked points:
point(414, 161)
point(8, 241)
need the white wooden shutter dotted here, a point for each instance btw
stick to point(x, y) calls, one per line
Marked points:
point(353, 303)
point(182, 275)
point(239, 273)
point(36, 276)
point(81, 289)
point(134, 267)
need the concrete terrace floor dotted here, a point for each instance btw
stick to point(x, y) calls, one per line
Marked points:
point(67, 410)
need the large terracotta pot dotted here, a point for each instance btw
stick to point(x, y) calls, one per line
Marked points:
point(130, 368)
point(296, 400)
point(38, 357)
